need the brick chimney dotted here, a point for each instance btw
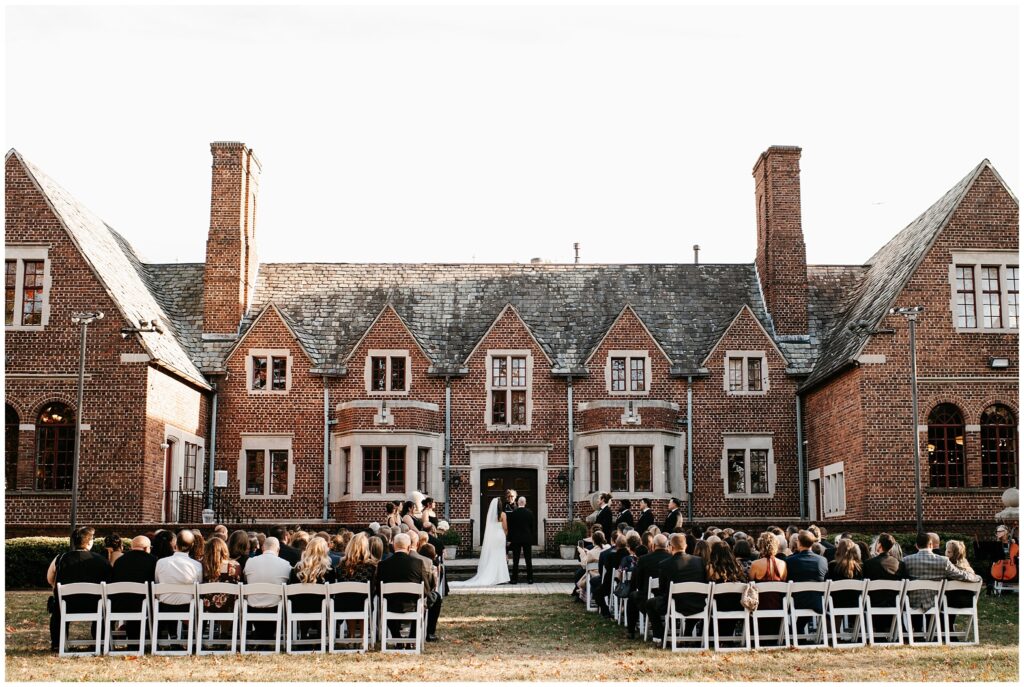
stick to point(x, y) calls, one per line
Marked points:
point(781, 256)
point(231, 263)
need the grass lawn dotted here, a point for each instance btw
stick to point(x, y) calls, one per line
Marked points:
point(500, 638)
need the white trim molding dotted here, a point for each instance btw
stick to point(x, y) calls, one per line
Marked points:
point(387, 354)
point(746, 443)
point(350, 477)
point(19, 254)
point(976, 259)
point(659, 440)
point(268, 353)
point(745, 356)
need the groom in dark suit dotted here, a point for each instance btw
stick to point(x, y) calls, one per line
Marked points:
point(520, 538)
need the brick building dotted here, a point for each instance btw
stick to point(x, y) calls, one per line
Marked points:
point(772, 391)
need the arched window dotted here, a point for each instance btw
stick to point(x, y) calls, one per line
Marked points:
point(10, 447)
point(998, 447)
point(55, 447)
point(946, 446)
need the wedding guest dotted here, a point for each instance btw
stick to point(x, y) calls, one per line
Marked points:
point(358, 565)
point(393, 516)
point(956, 552)
point(287, 553)
point(377, 549)
point(589, 556)
point(607, 563)
point(646, 569)
point(723, 567)
point(625, 513)
point(219, 567)
point(162, 544)
point(79, 564)
point(299, 541)
point(409, 519)
point(178, 568)
point(846, 566)
point(267, 567)
point(768, 568)
point(238, 548)
point(114, 547)
point(806, 566)
point(744, 553)
point(220, 531)
point(702, 549)
point(429, 515)
point(337, 549)
point(313, 568)
point(680, 567)
point(198, 549)
point(646, 518)
point(136, 565)
point(401, 568)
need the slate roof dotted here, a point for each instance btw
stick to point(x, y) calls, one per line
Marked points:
point(883, 278)
point(449, 307)
point(119, 270)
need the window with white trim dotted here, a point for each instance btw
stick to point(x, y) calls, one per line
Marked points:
point(985, 291)
point(748, 466)
point(746, 372)
point(269, 371)
point(595, 470)
point(346, 470)
point(384, 469)
point(265, 466)
point(509, 378)
point(833, 490)
point(190, 472)
point(422, 469)
point(387, 372)
point(26, 287)
point(632, 469)
point(628, 372)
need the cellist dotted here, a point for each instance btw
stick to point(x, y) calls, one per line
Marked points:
point(1005, 556)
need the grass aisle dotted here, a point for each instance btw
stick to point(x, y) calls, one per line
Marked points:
point(499, 638)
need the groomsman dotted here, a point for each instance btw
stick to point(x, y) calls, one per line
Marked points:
point(674, 518)
point(625, 514)
point(604, 514)
point(646, 516)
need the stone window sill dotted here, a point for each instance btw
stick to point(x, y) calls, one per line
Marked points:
point(988, 491)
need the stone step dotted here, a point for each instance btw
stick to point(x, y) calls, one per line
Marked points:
point(544, 569)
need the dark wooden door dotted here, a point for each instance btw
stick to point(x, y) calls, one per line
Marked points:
point(493, 484)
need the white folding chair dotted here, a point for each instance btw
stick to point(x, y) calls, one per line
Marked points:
point(417, 617)
point(949, 612)
point(137, 592)
point(675, 621)
point(848, 632)
point(743, 640)
point(346, 643)
point(620, 603)
point(930, 632)
point(292, 637)
point(818, 637)
point(894, 635)
point(781, 615)
point(68, 591)
point(210, 624)
point(590, 574)
point(644, 625)
point(161, 646)
point(257, 614)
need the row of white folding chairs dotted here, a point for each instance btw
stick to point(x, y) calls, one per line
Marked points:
point(199, 623)
point(840, 626)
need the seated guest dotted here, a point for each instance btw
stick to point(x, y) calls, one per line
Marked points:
point(162, 544)
point(377, 549)
point(846, 566)
point(926, 565)
point(358, 565)
point(956, 552)
point(79, 564)
point(267, 567)
point(400, 567)
point(625, 515)
point(884, 566)
point(198, 549)
point(680, 567)
point(221, 532)
point(702, 549)
point(768, 568)
point(806, 566)
point(723, 567)
point(238, 548)
point(646, 569)
point(178, 568)
point(114, 547)
point(607, 563)
point(744, 554)
point(219, 567)
point(313, 568)
point(818, 548)
point(286, 552)
point(185, 542)
point(136, 565)
point(299, 541)
point(434, 610)
point(337, 550)
point(590, 556)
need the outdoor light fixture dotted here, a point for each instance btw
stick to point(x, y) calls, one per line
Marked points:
point(562, 479)
point(998, 363)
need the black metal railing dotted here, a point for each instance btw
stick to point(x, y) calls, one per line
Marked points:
point(185, 505)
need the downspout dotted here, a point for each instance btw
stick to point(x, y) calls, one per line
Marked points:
point(689, 449)
point(800, 457)
point(213, 452)
point(571, 450)
point(448, 448)
point(327, 448)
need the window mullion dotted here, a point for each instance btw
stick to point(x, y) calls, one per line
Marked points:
point(748, 482)
point(979, 305)
point(19, 285)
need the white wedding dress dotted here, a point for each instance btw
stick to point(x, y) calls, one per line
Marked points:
point(493, 566)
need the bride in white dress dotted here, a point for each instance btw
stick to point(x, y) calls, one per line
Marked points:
point(493, 566)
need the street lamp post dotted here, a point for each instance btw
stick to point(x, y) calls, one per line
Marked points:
point(911, 315)
point(83, 319)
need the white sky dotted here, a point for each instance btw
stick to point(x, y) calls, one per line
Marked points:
point(491, 134)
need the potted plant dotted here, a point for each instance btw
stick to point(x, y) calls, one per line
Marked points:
point(451, 541)
point(567, 538)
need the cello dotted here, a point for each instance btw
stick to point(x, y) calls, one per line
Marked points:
point(1006, 570)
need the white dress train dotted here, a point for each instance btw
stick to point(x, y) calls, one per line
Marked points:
point(493, 566)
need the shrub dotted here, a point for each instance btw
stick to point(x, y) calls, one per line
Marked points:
point(571, 533)
point(451, 537)
point(26, 559)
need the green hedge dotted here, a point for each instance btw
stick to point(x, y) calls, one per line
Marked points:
point(27, 558)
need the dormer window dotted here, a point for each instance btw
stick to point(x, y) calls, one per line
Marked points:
point(509, 377)
point(387, 372)
point(746, 373)
point(269, 371)
point(628, 372)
